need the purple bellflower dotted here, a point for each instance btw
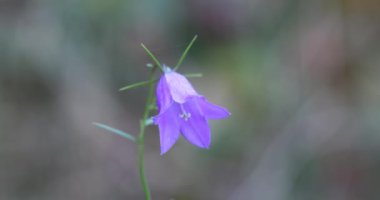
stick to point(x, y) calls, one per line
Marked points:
point(183, 110)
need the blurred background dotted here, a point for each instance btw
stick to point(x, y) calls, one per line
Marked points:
point(301, 79)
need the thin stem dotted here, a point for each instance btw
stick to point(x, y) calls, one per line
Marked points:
point(185, 52)
point(141, 138)
point(152, 56)
point(144, 182)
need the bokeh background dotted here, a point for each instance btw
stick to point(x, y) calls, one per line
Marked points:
point(301, 79)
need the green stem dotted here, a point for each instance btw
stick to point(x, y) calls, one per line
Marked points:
point(143, 179)
point(141, 138)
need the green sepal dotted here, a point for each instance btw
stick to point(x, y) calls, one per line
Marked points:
point(152, 56)
point(144, 83)
point(135, 85)
point(149, 65)
point(184, 54)
point(148, 121)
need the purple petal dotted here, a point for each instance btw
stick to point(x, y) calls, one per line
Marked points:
point(168, 125)
point(163, 95)
point(179, 87)
point(195, 128)
point(212, 111)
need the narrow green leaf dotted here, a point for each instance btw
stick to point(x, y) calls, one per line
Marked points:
point(184, 54)
point(135, 85)
point(152, 56)
point(144, 83)
point(196, 75)
point(116, 131)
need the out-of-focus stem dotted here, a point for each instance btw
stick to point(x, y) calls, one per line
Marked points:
point(141, 163)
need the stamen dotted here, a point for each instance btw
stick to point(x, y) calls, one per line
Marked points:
point(184, 115)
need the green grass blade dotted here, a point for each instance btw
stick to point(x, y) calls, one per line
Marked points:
point(116, 131)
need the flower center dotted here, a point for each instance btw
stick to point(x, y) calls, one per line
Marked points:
point(184, 115)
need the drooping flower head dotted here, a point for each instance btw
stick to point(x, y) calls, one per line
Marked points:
point(183, 111)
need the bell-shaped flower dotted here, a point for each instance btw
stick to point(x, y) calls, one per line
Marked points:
point(183, 111)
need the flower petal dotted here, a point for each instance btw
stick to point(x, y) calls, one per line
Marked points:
point(180, 88)
point(212, 111)
point(195, 128)
point(168, 125)
point(163, 95)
